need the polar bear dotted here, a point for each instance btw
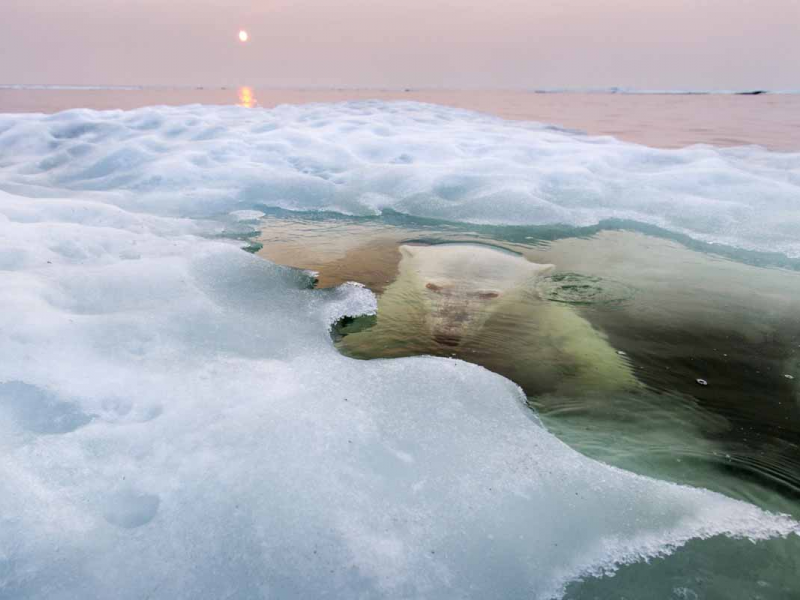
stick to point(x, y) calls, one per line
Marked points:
point(460, 285)
point(481, 303)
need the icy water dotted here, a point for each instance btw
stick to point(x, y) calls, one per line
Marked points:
point(713, 342)
point(183, 419)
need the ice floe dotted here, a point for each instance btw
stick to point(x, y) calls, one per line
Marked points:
point(363, 158)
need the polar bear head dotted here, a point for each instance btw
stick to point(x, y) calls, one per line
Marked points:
point(461, 285)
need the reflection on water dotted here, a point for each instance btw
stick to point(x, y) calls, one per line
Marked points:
point(247, 97)
point(653, 317)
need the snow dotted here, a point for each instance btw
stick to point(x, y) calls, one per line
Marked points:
point(427, 161)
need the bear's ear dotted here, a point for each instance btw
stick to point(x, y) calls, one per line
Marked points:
point(408, 251)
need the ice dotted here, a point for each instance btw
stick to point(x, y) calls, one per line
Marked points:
point(176, 423)
point(38, 411)
point(366, 157)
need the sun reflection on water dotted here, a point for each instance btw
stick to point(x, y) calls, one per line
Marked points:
point(247, 98)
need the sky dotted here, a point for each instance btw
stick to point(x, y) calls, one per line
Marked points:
point(644, 44)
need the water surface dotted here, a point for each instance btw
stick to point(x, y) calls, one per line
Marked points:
point(713, 341)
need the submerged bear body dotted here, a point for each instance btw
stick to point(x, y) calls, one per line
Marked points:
point(481, 304)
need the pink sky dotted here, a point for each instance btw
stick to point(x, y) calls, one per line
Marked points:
point(649, 44)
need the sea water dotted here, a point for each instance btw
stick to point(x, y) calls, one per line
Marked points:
point(675, 315)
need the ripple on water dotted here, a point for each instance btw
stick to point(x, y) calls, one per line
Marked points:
point(575, 288)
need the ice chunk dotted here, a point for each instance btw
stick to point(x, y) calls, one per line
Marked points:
point(424, 160)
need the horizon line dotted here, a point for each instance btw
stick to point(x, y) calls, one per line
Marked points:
point(543, 90)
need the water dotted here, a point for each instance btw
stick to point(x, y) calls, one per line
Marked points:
point(672, 314)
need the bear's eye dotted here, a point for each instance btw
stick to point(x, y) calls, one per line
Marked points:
point(487, 295)
point(433, 287)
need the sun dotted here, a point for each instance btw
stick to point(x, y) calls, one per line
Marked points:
point(243, 36)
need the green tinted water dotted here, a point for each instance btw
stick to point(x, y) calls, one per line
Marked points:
point(672, 312)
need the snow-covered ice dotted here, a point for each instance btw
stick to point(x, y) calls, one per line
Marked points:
point(428, 161)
